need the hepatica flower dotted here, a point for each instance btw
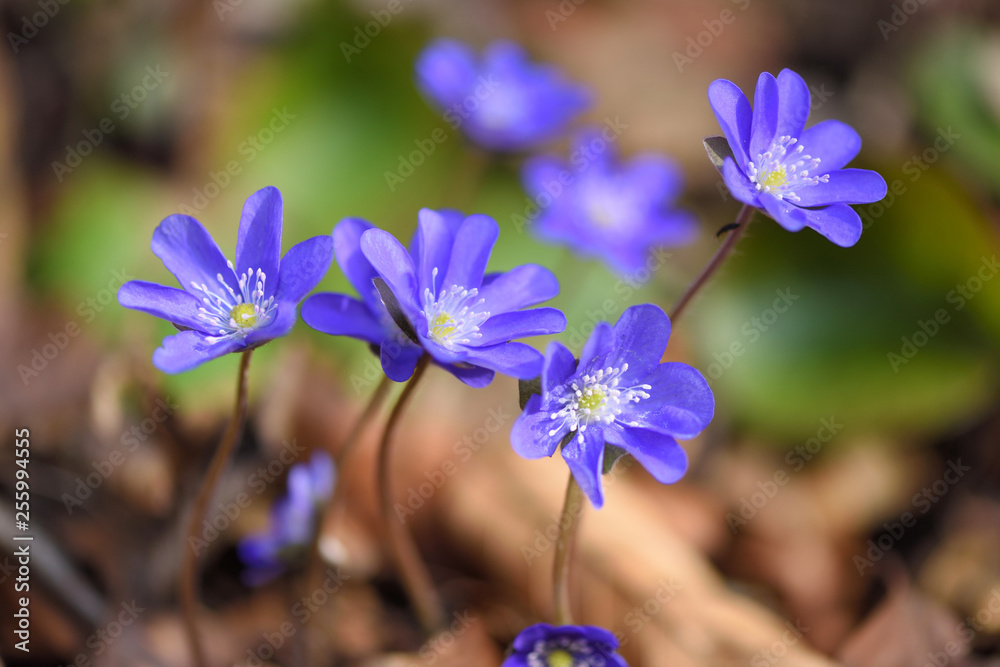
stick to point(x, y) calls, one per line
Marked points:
point(464, 319)
point(294, 521)
point(617, 394)
point(617, 211)
point(796, 175)
point(502, 100)
point(225, 307)
point(544, 645)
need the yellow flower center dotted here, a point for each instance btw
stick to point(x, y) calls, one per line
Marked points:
point(244, 315)
point(775, 178)
point(442, 326)
point(560, 658)
point(592, 401)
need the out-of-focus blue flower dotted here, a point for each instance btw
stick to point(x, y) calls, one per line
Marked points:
point(293, 521)
point(502, 101)
point(544, 645)
point(224, 307)
point(609, 209)
point(795, 175)
point(617, 394)
point(464, 319)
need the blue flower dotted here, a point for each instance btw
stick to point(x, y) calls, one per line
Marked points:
point(225, 308)
point(465, 320)
point(544, 645)
point(503, 101)
point(601, 207)
point(796, 175)
point(294, 521)
point(617, 394)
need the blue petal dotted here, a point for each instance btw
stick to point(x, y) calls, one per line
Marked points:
point(168, 303)
point(520, 324)
point(432, 247)
point(303, 267)
point(283, 319)
point(258, 245)
point(395, 266)
point(787, 215)
point(680, 401)
point(834, 142)
point(558, 368)
point(846, 186)
point(600, 344)
point(765, 115)
point(341, 315)
point(539, 171)
point(530, 434)
point(518, 288)
point(190, 253)
point(472, 376)
point(182, 352)
point(660, 454)
point(741, 187)
point(793, 104)
point(446, 71)
point(347, 248)
point(840, 223)
point(515, 359)
point(640, 336)
point(586, 462)
point(399, 359)
point(657, 176)
point(732, 110)
point(473, 246)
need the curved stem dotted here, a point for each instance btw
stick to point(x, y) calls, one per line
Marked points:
point(569, 524)
point(412, 570)
point(336, 505)
point(189, 561)
point(742, 221)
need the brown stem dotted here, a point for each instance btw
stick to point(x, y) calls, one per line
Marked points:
point(336, 504)
point(416, 579)
point(569, 524)
point(189, 560)
point(742, 221)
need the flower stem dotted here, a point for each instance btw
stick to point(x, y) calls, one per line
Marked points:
point(416, 580)
point(569, 524)
point(742, 222)
point(336, 504)
point(189, 561)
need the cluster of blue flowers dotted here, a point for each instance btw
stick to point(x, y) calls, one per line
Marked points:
point(435, 301)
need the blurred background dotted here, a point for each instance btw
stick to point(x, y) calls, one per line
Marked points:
point(843, 507)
